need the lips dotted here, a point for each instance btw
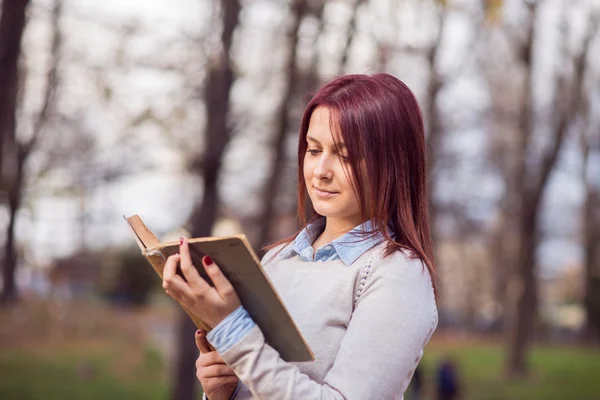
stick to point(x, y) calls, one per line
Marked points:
point(324, 193)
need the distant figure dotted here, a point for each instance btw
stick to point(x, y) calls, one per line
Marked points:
point(447, 380)
point(416, 384)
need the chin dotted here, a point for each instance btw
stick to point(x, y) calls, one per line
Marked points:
point(326, 210)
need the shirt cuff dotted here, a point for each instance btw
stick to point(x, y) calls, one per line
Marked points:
point(229, 331)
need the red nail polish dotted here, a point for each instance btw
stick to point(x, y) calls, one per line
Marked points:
point(198, 332)
point(180, 240)
point(208, 260)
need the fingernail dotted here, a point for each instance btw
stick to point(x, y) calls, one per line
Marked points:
point(180, 240)
point(208, 260)
point(199, 332)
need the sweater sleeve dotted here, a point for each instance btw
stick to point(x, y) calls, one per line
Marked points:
point(393, 320)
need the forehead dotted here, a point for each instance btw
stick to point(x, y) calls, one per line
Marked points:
point(320, 126)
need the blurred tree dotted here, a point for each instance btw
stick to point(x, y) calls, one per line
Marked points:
point(219, 81)
point(530, 181)
point(299, 9)
point(590, 143)
point(15, 150)
point(12, 24)
point(434, 126)
point(349, 37)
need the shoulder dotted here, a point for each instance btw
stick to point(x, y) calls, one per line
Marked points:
point(273, 253)
point(401, 273)
point(399, 263)
point(400, 289)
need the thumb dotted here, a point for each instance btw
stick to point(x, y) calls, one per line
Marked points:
point(201, 341)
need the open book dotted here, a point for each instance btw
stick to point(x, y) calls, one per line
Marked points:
point(239, 263)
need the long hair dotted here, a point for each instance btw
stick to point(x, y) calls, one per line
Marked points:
point(380, 122)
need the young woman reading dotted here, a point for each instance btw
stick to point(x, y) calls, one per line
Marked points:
point(357, 279)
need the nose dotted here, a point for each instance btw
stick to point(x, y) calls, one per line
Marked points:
point(323, 169)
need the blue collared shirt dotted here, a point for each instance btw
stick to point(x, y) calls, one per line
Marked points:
point(348, 248)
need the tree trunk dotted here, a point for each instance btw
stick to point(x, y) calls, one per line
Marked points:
point(219, 81)
point(524, 292)
point(272, 185)
point(9, 290)
point(434, 141)
point(16, 153)
point(591, 232)
point(532, 185)
point(591, 245)
point(12, 24)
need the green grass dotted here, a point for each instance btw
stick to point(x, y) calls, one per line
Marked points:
point(91, 352)
point(556, 373)
point(24, 376)
point(85, 351)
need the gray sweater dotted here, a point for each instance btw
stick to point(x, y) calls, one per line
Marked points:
point(366, 323)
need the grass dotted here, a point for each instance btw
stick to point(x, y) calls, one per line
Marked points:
point(84, 377)
point(82, 351)
point(91, 352)
point(556, 373)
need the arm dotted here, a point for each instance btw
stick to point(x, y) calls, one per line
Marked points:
point(393, 320)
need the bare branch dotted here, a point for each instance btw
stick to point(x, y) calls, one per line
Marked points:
point(570, 110)
point(349, 36)
point(52, 81)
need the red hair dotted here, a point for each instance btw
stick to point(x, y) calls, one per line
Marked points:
point(380, 122)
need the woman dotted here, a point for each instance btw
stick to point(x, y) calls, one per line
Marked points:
point(357, 280)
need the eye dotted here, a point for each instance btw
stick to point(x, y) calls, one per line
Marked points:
point(343, 158)
point(313, 152)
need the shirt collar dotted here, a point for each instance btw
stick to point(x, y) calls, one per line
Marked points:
point(348, 247)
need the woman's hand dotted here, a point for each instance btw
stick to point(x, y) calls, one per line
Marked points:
point(217, 379)
point(211, 304)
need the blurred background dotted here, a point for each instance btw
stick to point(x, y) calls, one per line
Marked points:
point(186, 112)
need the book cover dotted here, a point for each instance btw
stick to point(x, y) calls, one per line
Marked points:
point(241, 266)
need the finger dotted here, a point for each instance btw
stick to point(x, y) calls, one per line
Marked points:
point(212, 384)
point(201, 342)
point(222, 285)
point(170, 277)
point(210, 358)
point(169, 271)
point(173, 283)
point(192, 276)
point(216, 370)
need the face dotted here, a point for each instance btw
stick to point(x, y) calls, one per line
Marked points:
point(327, 172)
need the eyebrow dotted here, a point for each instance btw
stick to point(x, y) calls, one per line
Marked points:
point(340, 145)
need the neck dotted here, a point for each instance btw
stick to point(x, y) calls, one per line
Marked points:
point(336, 227)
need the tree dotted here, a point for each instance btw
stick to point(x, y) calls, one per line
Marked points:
point(530, 181)
point(216, 94)
point(591, 245)
point(12, 24)
point(590, 143)
point(299, 9)
point(15, 151)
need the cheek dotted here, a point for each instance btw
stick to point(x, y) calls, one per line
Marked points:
point(345, 176)
point(350, 195)
point(307, 170)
